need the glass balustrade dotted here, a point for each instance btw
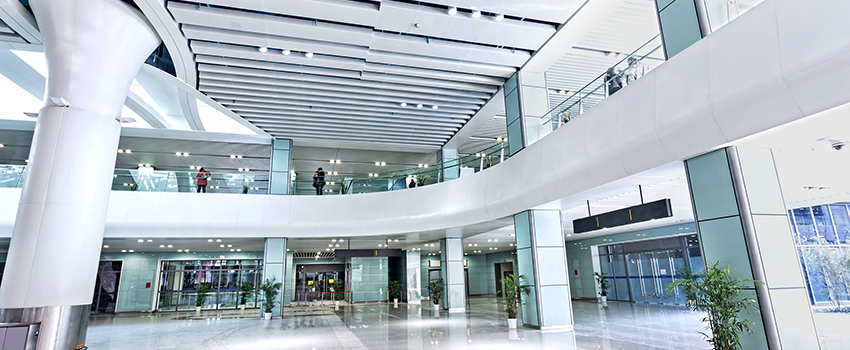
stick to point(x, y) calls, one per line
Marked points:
point(631, 68)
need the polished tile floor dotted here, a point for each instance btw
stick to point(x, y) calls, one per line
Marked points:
point(382, 326)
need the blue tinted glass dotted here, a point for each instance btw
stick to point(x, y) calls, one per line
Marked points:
point(806, 233)
point(823, 223)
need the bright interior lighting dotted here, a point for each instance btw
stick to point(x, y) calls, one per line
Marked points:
point(286, 52)
point(500, 17)
point(419, 106)
point(403, 104)
point(308, 55)
point(476, 14)
point(452, 10)
point(141, 240)
point(263, 49)
point(215, 121)
point(435, 107)
point(15, 101)
point(105, 246)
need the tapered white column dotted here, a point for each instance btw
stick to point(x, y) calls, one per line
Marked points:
point(93, 48)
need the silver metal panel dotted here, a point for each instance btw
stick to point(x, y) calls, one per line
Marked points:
point(62, 327)
point(353, 12)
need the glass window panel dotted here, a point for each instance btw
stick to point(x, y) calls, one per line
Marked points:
point(635, 284)
point(842, 222)
point(805, 227)
point(824, 224)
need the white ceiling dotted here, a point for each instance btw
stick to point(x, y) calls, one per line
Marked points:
point(369, 58)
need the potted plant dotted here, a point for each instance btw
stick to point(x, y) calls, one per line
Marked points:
point(512, 296)
point(270, 288)
point(604, 285)
point(394, 287)
point(718, 294)
point(420, 180)
point(245, 289)
point(435, 290)
point(339, 288)
point(202, 290)
point(244, 189)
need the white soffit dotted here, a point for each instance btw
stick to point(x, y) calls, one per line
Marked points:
point(393, 72)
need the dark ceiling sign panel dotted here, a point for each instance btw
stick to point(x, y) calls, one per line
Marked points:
point(639, 213)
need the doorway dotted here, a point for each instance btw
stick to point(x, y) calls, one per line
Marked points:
point(106, 287)
point(314, 282)
point(503, 270)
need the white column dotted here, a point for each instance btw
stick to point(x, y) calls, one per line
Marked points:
point(93, 48)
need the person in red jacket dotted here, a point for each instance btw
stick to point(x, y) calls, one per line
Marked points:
point(202, 176)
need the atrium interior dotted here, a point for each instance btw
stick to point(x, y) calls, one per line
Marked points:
point(450, 174)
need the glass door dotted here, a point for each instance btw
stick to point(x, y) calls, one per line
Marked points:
point(106, 287)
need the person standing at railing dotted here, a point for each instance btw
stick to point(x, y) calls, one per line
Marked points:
point(412, 183)
point(319, 181)
point(614, 80)
point(202, 176)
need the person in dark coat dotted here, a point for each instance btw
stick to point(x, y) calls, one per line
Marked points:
point(412, 183)
point(319, 181)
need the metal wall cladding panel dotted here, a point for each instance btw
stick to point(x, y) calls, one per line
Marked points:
point(342, 11)
point(265, 24)
point(439, 63)
point(447, 49)
point(557, 11)
point(273, 42)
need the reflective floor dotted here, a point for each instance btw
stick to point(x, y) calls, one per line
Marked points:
point(382, 326)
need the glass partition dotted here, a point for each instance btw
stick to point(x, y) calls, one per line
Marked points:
point(179, 280)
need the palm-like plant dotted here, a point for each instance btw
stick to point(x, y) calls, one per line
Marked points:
point(245, 289)
point(339, 287)
point(202, 290)
point(603, 282)
point(395, 289)
point(717, 293)
point(270, 288)
point(435, 290)
point(513, 290)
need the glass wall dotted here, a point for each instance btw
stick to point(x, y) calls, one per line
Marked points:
point(821, 233)
point(641, 271)
point(179, 280)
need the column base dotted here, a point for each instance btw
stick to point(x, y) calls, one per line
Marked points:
point(61, 327)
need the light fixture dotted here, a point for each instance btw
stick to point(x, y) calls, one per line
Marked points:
point(105, 246)
point(147, 165)
point(435, 107)
point(341, 240)
point(229, 245)
point(209, 240)
point(119, 150)
point(123, 250)
point(338, 161)
point(238, 250)
point(403, 104)
point(233, 250)
point(383, 163)
point(489, 240)
point(285, 52)
point(333, 240)
point(233, 156)
point(162, 245)
point(500, 17)
point(239, 156)
point(221, 245)
point(469, 245)
point(476, 14)
point(179, 250)
point(185, 154)
point(128, 151)
point(495, 240)
point(452, 10)
point(126, 184)
point(332, 161)
point(263, 49)
point(177, 154)
point(141, 240)
point(150, 240)
point(308, 55)
point(378, 163)
point(218, 240)
point(170, 246)
point(419, 106)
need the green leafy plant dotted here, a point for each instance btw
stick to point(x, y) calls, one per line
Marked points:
point(202, 290)
point(244, 189)
point(512, 293)
point(339, 287)
point(488, 161)
point(718, 294)
point(245, 289)
point(395, 289)
point(603, 283)
point(566, 116)
point(420, 180)
point(270, 289)
point(435, 290)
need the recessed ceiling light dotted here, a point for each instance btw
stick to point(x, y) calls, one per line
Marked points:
point(128, 151)
point(232, 156)
point(162, 245)
point(285, 52)
point(218, 240)
point(177, 154)
point(179, 250)
point(500, 17)
point(105, 246)
point(170, 246)
point(239, 157)
point(150, 240)
point(419, 106)
point(435, 107)
point(476, 14)
point(123, 250)
point(221, 245)
point(119, 150)
point(233, 250)
point(308, 55)
point(403, 104)
point(263, 49)
point(452, 10)
point(141, 240)
point(238, 250)
point(209, 240)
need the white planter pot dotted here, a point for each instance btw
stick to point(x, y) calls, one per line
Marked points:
point(604, 300)
point(436, 307)
point(267, 316)
point(242, 307)
point(512, 323)
point(395, 301)
point(336, 303)
point(197, 309)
